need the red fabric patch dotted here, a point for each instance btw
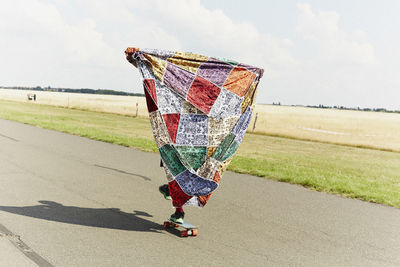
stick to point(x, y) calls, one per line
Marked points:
point(179, 198)
point(202, 94)
point(151, 106)
point(172, 122)
point(151, 87)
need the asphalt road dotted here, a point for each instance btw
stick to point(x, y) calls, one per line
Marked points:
point(71, 201)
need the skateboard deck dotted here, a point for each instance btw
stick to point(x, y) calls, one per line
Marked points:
point(190, 230)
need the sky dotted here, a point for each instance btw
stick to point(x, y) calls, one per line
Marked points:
point(343, 53)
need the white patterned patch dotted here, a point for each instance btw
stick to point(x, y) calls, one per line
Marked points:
point(219, 128)
point(193, 202)
point(144, 70)
point(167, 101)
point(192, 130)
point(227, 105)
point(158, 53)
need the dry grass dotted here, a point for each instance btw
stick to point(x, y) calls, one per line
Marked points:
point(355, 128)
point(125, 105)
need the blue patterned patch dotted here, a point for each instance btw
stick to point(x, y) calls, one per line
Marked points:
point(194, 185)
point(241, 126)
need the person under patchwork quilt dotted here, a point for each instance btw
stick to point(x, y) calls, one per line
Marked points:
point(199, 109)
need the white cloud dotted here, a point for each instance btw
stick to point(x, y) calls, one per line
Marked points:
point(335, 45)
point(343, 69)
point(214, 30)
point(41, 45)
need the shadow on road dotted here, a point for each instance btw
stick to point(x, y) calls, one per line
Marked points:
point(105, 218)
point(124, 172)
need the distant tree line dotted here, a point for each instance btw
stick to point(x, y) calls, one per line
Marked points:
point(344, 108)
point(70, 90)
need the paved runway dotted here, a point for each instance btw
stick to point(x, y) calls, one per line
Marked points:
point(70, 201)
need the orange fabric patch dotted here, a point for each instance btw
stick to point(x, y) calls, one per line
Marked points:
point(203, 199)
point(217, 178)
point(239, 81)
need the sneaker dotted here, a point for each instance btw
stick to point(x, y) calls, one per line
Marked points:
point(177, 217)
point(165, 191)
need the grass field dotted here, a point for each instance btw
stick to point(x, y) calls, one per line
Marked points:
point(376, 130)
point(367, 174)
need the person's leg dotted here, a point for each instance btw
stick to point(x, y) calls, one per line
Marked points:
point(165, 191)
point(178, 216)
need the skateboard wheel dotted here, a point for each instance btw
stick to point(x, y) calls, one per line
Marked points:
point(166, 224)
point(175, 225)
point(194, 232)
point(184, 233)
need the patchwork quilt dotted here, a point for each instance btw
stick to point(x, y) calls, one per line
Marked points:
point(199, 108)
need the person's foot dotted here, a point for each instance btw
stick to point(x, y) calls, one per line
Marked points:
point(177, 217)
point(165, 191)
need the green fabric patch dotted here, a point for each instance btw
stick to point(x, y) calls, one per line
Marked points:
point(229, 61)
point(171, 159)
point(230, 151)
point(192, 155)
point(226, 149)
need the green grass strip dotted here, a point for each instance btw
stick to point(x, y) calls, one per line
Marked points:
point(366, 174)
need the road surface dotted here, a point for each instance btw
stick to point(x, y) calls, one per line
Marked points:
point(70, 201)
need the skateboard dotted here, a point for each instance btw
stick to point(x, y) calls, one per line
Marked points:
point(190, 230)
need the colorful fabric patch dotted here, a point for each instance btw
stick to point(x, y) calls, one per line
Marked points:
point(229, 61)
point(241, 126)
point(171, 160)
point(257, 71)
point(217, 177)
point(144, 70)
point(157, 64)
point(167, 100)
point(150, 85)
point(193, 201)
point(219, 129)
point(178, 80)
point(210, 151)
point(193, 156)
point(208, 169)
point(163, 54)
point(229, 152)
point(215, 71)
point(227, 105)
point(225, 147)
point(172, 122)
point(203, 199)
point(222, 167)
point(179, 198)
point(202, 94)
point(187, 61)
point(239, 81)
point(250, 97)
point(192, 130)
point(188, 108)
point(151, 105)
point(169, 175)
point(194, 185)
point(160, 131)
